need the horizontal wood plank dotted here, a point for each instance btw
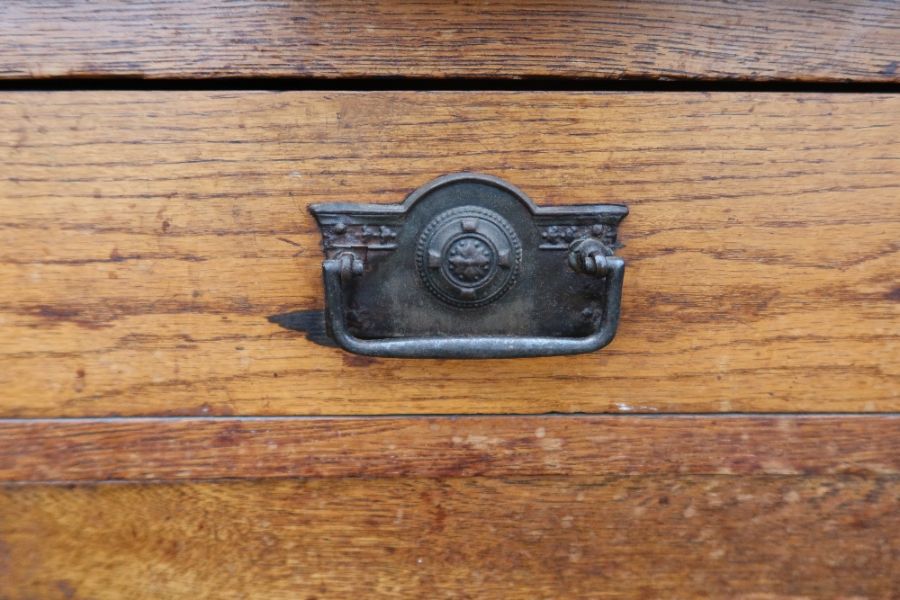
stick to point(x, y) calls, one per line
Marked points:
point(149, 242)
point(800, 40)
point(761, 537)
point(210, 448)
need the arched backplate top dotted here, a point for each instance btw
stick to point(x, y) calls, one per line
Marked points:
point(612, 213)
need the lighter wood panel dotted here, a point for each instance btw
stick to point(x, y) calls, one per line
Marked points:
point(146, 238)
point(206, 448)
point(696, 39)
point(644, 537)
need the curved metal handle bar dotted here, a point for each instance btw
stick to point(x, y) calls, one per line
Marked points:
point(475, 346)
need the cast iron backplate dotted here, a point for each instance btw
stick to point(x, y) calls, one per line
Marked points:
point(468, 267)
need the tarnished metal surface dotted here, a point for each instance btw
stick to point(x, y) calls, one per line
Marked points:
point(468, 267)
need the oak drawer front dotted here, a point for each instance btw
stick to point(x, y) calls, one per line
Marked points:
point(156, 243)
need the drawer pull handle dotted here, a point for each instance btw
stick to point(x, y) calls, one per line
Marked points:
point(468, 267)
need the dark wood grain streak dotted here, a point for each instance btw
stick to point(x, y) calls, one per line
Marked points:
point(760, 538)
point(801, 40)
point(206, 448)
point(145, 239)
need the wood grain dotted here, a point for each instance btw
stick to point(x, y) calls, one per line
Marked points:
point(803, 40)
point(646, 537)
point(145, 239)
point(210, 448)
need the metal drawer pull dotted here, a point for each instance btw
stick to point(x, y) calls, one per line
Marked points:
point(468, 267)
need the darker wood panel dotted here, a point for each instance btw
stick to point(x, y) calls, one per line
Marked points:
point(640, 537)
point(147, 240)
point(208, 448)
point(711, 40)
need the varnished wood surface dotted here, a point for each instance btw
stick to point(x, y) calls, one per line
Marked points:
point(803, 40)
point(147, 237)
point(210, 448)
point(764, 537)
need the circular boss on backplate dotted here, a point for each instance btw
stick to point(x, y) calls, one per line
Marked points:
point(468, 256)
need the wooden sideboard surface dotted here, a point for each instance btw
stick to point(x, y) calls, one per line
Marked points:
point(767, 40)
point(173, 423)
